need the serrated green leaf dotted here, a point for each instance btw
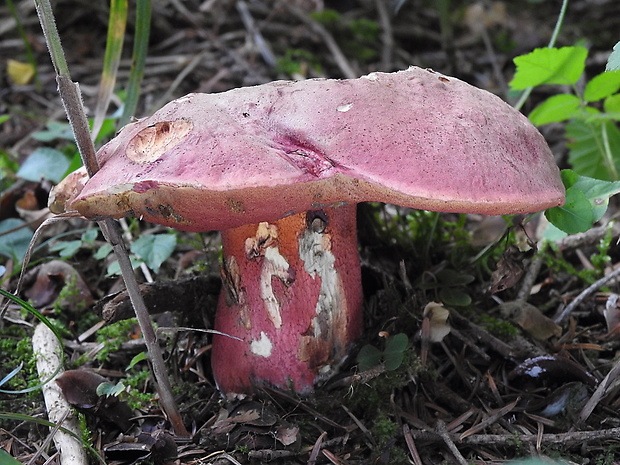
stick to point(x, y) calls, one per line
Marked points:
point(555, 109)
point(613, 62)
point(612, 104)
point(602, 86)
point(368, 357)
point(154, 249)
point(44, 163)
point(549, 66)
point(575, 216)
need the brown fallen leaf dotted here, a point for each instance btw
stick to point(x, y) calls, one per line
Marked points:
point(51, 278)
point(80, 389)
point(530, 319)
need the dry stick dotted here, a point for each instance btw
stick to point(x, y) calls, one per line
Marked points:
point(257, 37)
point(341, 60)
point(585, 294)
point(441, 430)
point(387, 35)
point(601, 390)
point(512, 440)
point(72, 101)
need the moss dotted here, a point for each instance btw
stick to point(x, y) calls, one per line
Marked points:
point(500, 328)
point(113, 336)
point(16, 350)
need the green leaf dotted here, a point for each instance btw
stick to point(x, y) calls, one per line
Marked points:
point(394, 352)
point(14, 244)
point(549, 66)
point(110, 389)
point(555, 109)
point(597, 192)
point(4, 118)
point(44, 163)
point(454, 278)
point(55, 130)
point(7, 459)
point(90, 235)
point(612, 104)
point(454, 297)
point(137, 359)
point(586, 202)
point(368, 357)
point(103, 251)
point(602, 86)
point(114, 46)
point(613, 62)
point(586, 150)
point(138, 61)
point(114, 269)
point(575, 216)
point(66, 249)
point(154, 249)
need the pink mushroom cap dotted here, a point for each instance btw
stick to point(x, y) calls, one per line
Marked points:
point(415, 138)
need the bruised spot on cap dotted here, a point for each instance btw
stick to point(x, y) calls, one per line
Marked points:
point(155, 140)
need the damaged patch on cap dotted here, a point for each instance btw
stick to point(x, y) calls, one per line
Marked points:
point(155, 140)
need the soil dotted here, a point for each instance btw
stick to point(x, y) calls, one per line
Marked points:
point(528, 368)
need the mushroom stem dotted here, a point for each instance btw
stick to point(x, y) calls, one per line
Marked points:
point(293, 299)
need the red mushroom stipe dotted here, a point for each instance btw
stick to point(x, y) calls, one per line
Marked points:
point(279, 167)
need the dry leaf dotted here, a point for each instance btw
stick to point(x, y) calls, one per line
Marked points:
point(530, 319)
point(19, 72)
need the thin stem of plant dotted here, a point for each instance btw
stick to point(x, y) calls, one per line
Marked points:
point(554, 37)
point(71, 98)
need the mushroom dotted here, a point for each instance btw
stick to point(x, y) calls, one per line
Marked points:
point(279, 168)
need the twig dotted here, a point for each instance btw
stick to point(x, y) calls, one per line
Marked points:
point(441, 430)
point(387, 35)
point(512, 440)
point(341, 60)
point(257, 37)
point(604, 386)
point(563, 314)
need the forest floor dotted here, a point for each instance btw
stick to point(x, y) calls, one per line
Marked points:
point(528, 368)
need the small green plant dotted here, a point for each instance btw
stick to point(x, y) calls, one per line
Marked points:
point(594, 138)
point(391, 356)
point(449, 286)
